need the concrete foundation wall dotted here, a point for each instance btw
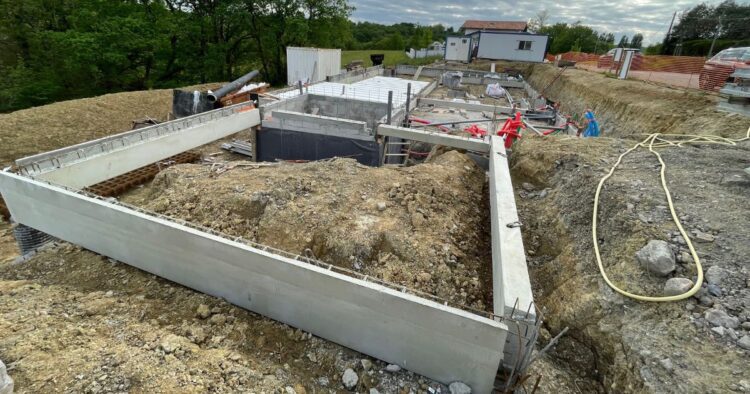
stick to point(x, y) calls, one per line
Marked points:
point(131, 153)
point(429, 338)
point(512, 296)
point(340, 107)
point(332, 107)
point(316, 124)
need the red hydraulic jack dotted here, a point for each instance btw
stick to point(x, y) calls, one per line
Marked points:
point(511, 130)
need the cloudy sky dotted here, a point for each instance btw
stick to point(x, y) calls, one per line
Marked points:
point(648, 17)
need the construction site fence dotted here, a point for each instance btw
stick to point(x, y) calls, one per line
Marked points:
point(659, 63)
point(574, 57)
point(677, 71)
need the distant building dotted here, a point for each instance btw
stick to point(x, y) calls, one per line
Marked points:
point(497, 40)
point(472, 26)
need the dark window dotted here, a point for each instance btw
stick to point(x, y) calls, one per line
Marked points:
point(524, 45)
point(463, 41)
point(453, 44)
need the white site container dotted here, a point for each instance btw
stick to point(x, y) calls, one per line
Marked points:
point(525, 47)
point(458, 49)
point(311, 64)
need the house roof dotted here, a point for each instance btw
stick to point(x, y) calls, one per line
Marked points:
point(495, 25)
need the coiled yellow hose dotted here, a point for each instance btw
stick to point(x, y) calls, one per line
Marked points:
point(664, 140)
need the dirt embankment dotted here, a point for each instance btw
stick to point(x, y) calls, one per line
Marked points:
point(631, 107)
point(41, 129)
point(424, 227)
point(630, 346)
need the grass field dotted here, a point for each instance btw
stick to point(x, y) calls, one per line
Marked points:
point(392, 58)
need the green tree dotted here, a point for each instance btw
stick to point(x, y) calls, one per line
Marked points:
point(637, 41)
point(624, 43)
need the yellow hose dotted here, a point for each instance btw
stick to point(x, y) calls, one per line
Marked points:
point(676, 140)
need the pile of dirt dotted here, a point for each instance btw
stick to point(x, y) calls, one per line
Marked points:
point(423, 227)
point(635, 107)
point(40, 129)
point(615, 343)
point(74, 321)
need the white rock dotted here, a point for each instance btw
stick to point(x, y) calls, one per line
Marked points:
point(366, 364)
point(350, 379)
point(392, 368)
point(6, 382)
point(657, 257)
point(718, 330)
point(459, 388)
point(744, 343)
point(374, 391)
point(677, 286)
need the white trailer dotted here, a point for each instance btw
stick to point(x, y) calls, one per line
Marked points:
point(525, 47)
point(458, 49)
point(311, 64)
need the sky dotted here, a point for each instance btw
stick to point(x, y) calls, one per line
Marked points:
point(648, 17)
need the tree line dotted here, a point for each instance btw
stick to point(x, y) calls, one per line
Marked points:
point(53, 50)
point(724, 25)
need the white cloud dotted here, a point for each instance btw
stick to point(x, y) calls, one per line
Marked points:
point(648, 17)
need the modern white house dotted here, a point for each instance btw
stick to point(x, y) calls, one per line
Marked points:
point(458, 49)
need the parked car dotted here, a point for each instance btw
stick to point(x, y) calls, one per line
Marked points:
point(716, 71)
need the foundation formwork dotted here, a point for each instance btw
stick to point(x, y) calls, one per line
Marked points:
point(415, 330)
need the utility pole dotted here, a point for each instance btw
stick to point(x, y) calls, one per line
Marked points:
point(668, 36)
point(669, 31)
point(713, 42)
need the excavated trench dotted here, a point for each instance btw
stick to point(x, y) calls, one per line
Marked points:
point(615, 344)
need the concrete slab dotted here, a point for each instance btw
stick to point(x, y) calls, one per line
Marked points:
point(429, 338)
point(472, 144)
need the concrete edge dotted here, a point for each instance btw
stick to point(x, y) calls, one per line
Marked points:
point(435, 340)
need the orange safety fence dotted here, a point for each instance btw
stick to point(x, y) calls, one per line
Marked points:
point(681, 71)
point(574, 57)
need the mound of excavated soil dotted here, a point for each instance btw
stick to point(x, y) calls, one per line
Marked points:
point(57, 125)
point(424, 227)
point(636, 107)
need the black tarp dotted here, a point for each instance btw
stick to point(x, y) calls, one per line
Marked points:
point(272, 144)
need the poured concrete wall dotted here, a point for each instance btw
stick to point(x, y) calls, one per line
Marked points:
point(511, 286)
point(340, 107)
point(440, 342)
point(130, 151)
point(333, 107)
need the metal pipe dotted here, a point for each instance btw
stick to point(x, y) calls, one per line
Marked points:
point(390, 107)
point(232, 86)
point(408, 103)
